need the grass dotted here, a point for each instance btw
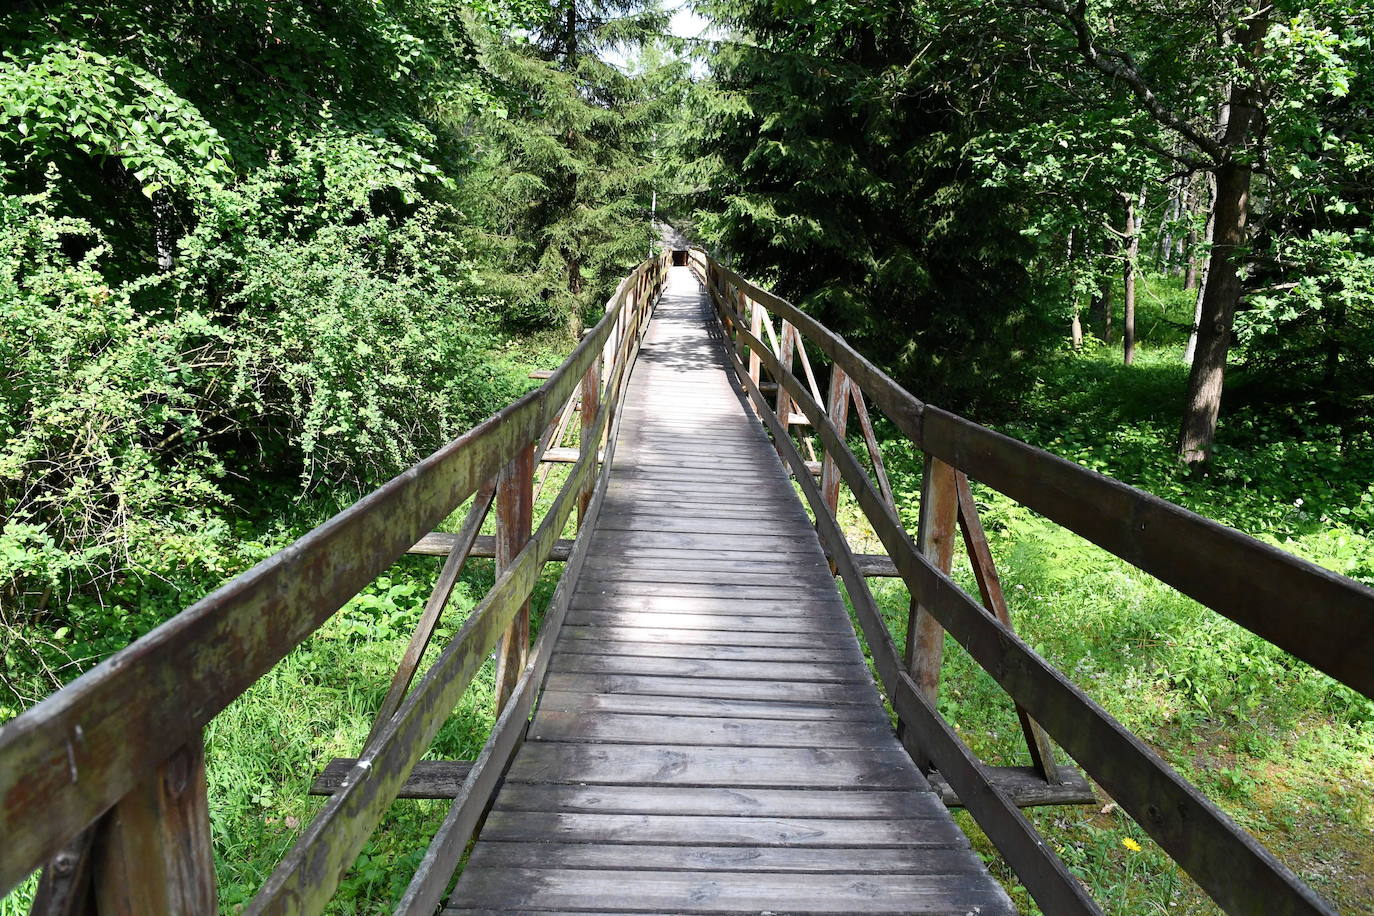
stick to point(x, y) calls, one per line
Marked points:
point(1283, 749)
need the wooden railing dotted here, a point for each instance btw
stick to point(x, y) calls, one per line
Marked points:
point(104, 782)
point(1322, 618)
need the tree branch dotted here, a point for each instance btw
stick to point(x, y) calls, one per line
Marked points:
point(1120, 66)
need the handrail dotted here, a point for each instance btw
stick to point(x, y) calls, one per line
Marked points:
point(96, 743)
point(1209, 562)
point(1226, 861)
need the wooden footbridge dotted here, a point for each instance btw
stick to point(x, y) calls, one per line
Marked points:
point(697, 728)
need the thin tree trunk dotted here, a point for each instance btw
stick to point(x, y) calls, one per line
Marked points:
point(1221, 291)
point(1190, 259)
point(163, 241)
point(1107, 308)
point(1075, 324)
point(1132, 246)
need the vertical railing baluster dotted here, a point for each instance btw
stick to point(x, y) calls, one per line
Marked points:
point(152, 851)
point(514, 516)
point(591, 409)
point(936, 531)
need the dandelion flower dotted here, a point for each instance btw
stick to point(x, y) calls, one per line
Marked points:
point(1130, 844)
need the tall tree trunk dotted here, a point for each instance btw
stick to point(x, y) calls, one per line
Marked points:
point(1221, 291)
point(1190, 259)
point(1132, 252)
point(1217, 313)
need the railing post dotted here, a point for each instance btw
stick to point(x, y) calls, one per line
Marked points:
point(755, 328)
point(939, 519)
point(591, 410)
point(514, 516)
point(783, 403)
point(153, 853)
point(837, 409)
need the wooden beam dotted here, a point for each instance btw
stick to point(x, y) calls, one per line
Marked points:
point(459, 550)
point(925, 638)
point(153, 851)
point(564, 456)
point(990, 588)
point(429, 779)
point(514, 517)
point(1025, 787)
point(591, 408)
point(65, 886)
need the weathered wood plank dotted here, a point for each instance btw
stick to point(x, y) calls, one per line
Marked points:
point(839, 654)
point(717, 892)
point(626, 728)
point(722, 688)
point(814, 672)
point(1026, 787)
point(429, 779)
point(153, 852)
point(723, 620)
point(565, 693)
point(641, 764)
point(735, 830)
point(748, 638)
point(902, 804)
point(872, 860)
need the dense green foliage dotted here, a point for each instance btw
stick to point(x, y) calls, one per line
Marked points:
point(253, 251)
point(947, 180)
point(256, 257)
point(825, 164)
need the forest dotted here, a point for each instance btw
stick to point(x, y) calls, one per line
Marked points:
point(259, 256)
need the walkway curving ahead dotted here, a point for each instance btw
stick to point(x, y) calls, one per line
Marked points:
point(709, 739)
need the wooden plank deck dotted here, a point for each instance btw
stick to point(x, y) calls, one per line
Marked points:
point(709, 739)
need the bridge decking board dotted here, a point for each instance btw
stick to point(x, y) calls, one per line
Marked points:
point(709, 739)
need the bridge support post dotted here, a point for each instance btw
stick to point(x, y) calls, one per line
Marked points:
point(152, 854)
point(938, 521)
point(514, 516)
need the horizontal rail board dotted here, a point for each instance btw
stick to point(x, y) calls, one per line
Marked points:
point(1319, 616)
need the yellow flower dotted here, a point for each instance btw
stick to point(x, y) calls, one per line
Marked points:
point(1131, 844)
